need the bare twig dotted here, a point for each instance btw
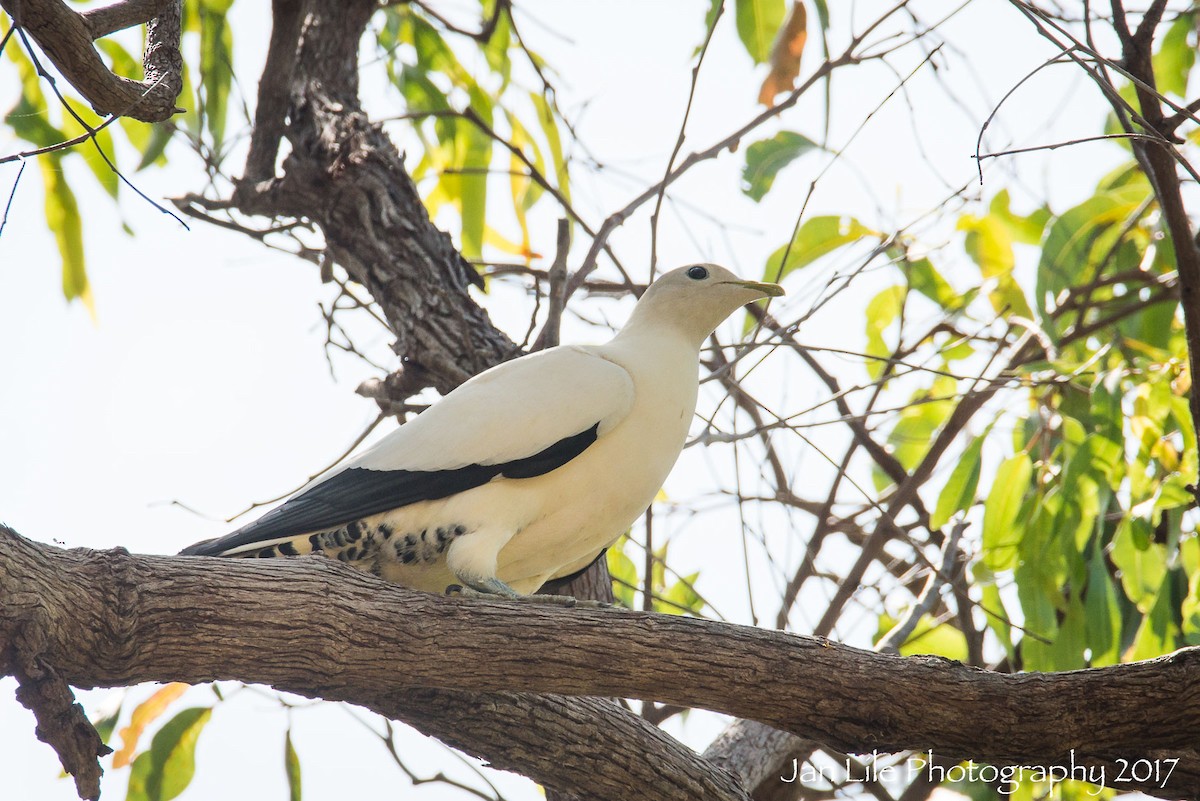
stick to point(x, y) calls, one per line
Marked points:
point(891, 642)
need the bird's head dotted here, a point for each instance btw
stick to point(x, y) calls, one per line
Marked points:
point(697, 298)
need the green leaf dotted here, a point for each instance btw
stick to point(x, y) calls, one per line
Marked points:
point(216, 68)
point(822, 13)
point(817, 237)
point(710, 16)
point(1175, 57)
point(525, 191)
point(475, 148)
point(1103, 613)
point(433, 53)
point(929, 637)
point(1025, 229)
point(1078, 239)
point(29, 117)
point(1189, 557)
point(624, 574)
point(1158, 634)
point(883, 310)
point(682, 597)
point(1189, 466)
point(757, 23)
point(1039, 596)
point(959, 492)
point(160, 136)
point(910, 438)
point(28, 121)
point(1079, 496)
point(62, 218)
point(1143, 564)
point(189, 96)
point(549, 123)
point(165, 771)
point(1128, 174)
point(420, 93)
point(1067, 651)
point(291, 766)
point(764, 160)
point(105, 175)
point(1001, 535)
point(1152, 324)
point(925, 278)
point(139, 776)
point(989, 243)
point(495, 49)
point(992, 605)
point(121, 62)
point(1173, 493)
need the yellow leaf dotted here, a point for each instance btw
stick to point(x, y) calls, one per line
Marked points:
point(502, 243)
point(63, 219)
point(785, 55)
point(142, 717)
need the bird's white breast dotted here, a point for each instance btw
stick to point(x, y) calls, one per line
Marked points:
point(556, 523)
point(594, 498)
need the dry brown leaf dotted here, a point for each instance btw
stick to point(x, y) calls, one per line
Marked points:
point(142, 717)
point(785, 55)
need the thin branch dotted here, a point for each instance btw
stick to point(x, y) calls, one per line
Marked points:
point(11, 195)
point(687, 113)
point(891, 642)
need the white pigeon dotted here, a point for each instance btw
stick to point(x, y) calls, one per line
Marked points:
point(528, 471)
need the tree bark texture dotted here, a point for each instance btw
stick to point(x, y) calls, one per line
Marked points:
point(65, 36)
point(344, 174)
point(320, 629)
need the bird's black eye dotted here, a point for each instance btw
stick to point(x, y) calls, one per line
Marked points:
point(697, 273)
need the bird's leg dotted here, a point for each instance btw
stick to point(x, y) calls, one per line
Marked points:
point(481, 586)
point(492, 587)
point(472, 560)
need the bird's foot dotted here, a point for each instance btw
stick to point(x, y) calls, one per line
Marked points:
point(482, 587)
point(492, 587)
point(566, 600)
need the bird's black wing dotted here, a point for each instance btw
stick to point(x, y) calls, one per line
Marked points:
point(358, 492)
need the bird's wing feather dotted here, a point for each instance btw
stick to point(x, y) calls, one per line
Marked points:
point(510, 412)
point(518, 420)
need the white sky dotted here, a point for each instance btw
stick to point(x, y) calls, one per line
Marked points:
point(204, 379)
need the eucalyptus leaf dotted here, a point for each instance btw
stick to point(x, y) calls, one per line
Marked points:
point(765, 158)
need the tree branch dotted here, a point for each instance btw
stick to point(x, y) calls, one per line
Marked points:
point(345, 175)
point(117, 17)
point(111, 618)
point(1158, 162)
point(66, 38)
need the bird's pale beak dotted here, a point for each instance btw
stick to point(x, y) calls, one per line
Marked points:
point(770, 290)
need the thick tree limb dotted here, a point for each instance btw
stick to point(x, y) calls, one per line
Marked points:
point(592, 748)
point(61, 722)
point(110, 618)
point(65, 36)
point(125, 14)
point(345, 175)
point(598, 749)
point(758, 755)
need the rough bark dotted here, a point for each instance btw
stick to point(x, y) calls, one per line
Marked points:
point(759, 755)
point(111, 619)
point(344, 174)
point(65, 36)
